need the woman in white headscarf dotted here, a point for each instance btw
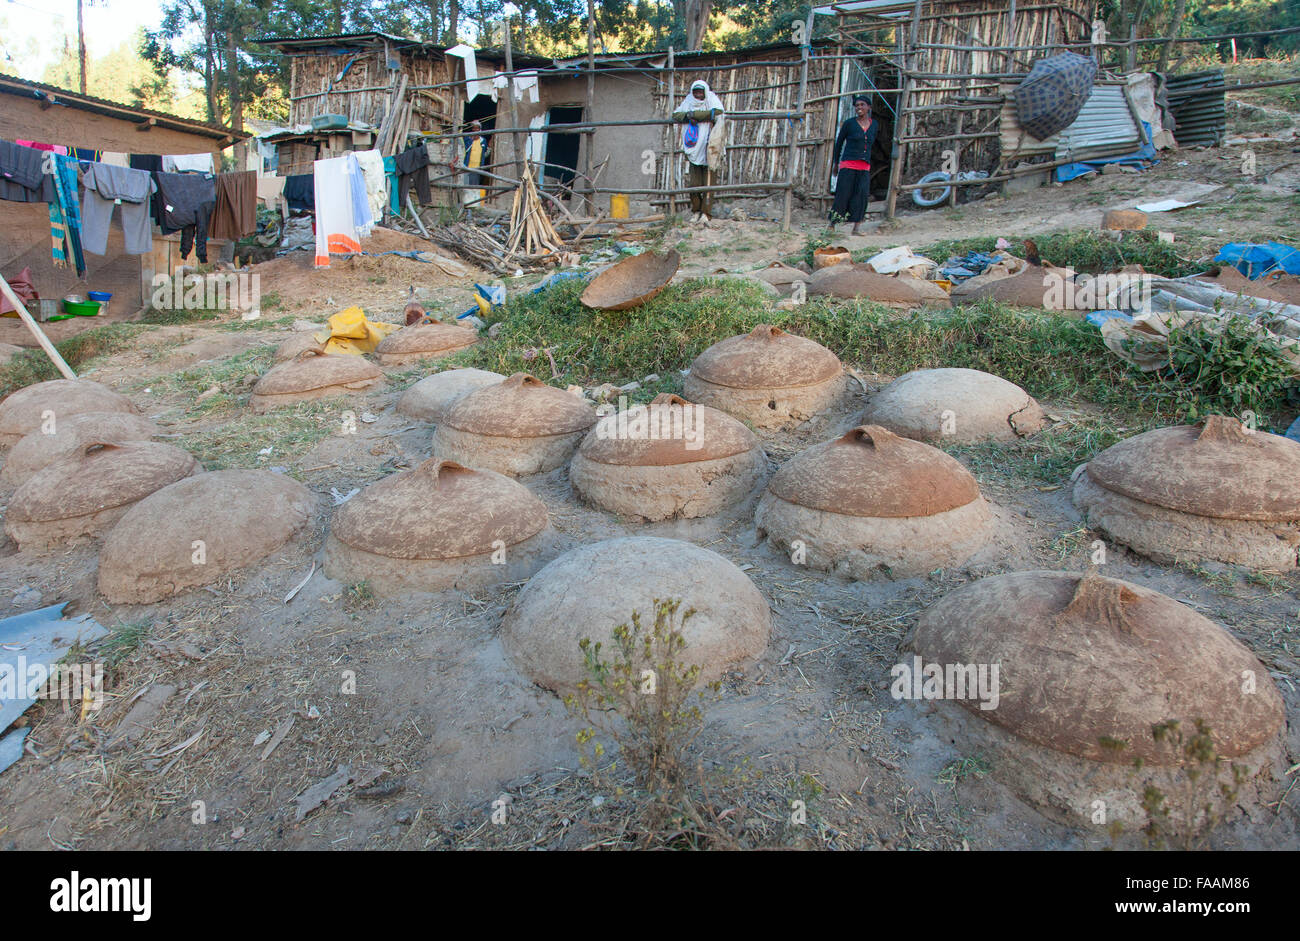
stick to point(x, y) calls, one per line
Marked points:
point(700, 111)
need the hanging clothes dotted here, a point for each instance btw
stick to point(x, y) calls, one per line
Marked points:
point(106, 187)
point(37, 145)
point(270, 191)
point(372, 168)
point(413, 168)
point(187, 163)
point(365, 219)
point(22, 176)
point(341, 207)
point(65, 216)
point(695, 134)
point(300, 192)
point(112, 159)
point(390, 171)
point(234, 215)
point(187, 200)
point(86, 155)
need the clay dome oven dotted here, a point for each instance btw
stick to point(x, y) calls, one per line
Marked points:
point(955, 406)
point(1088, 668)
point(872, 502)
point(1185, 493)
point(438, 526)
point(667, 460)
point(767, 377)
point(590, 590)
point(520, 426)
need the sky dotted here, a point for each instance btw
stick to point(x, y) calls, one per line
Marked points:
point(32, 31)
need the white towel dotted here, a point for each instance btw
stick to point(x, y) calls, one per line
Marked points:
point(182, 163)
point(372, 168)
point(336, 212)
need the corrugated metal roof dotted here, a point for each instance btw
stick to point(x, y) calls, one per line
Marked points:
point(21, 87)
point(1197, 102)
point(1105, 126)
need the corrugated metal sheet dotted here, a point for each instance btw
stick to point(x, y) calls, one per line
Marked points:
point(1104, 127)
point(1197, 102)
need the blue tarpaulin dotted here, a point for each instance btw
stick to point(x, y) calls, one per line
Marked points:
point(1256, 260)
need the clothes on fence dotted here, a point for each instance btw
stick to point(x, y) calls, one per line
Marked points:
point(698, 113)
point(699, 175)
point(65, 216)
point(372, 168)
point(852, 192)
point(37, 145)
point(300, 191)
point(390, 172)
point(413, 168)
point(234, 215)
point(107, 186)
point(341, 207)
point(150, 162)
point(270, 191)
point(186, 163)
point(22, 179)
point(187, 200)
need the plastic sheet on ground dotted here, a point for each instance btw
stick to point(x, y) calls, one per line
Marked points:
point(1256, 260)
point(349, 331)
point(34, 637)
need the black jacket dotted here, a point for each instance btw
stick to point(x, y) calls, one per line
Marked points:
point(852, 143)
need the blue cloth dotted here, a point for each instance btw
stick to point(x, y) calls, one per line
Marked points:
point(1256, 260)
point(1099, 317)
point(361, 213)
point(974, 263)
point(67, 208)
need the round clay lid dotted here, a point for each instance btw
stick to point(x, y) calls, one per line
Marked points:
point(1088, 665)
point(99, 476)
point(313, 369)
point(439, 510)
point(520, 407)
point(36, 449)
point(766, 358)
point(1221, 470)
point(427, 338)
point(21, 411)
point(668, 431)
point(872, 472)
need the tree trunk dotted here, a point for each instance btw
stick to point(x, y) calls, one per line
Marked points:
point(453, 21)
point(236, 97)
point(338, 16)
point(81, 47)
point(1175, 27)
point(697, 22)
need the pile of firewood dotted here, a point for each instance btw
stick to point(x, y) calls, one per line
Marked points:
point(532, 236)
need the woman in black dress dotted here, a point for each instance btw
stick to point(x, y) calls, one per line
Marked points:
point(852, 158)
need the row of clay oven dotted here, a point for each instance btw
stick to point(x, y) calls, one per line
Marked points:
point(872, 501)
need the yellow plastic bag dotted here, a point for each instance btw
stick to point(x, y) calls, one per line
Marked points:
point(350, 332)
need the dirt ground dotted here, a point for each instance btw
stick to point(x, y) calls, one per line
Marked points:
point(442, 725)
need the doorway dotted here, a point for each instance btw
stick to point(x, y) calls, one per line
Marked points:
point(561, 153)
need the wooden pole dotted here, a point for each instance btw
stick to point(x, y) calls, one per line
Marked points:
point(589, 138)
point(791, 151)
point(36, 330)
point(514, 107)
point(672, 135)
point(898, 155)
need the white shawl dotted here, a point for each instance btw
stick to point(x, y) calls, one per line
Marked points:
point(699, 154)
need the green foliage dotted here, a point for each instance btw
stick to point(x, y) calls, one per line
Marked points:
point(1203, 794)
point(1227, 367)
point(644, 699)
point(1086, 251)
point(31, 366)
